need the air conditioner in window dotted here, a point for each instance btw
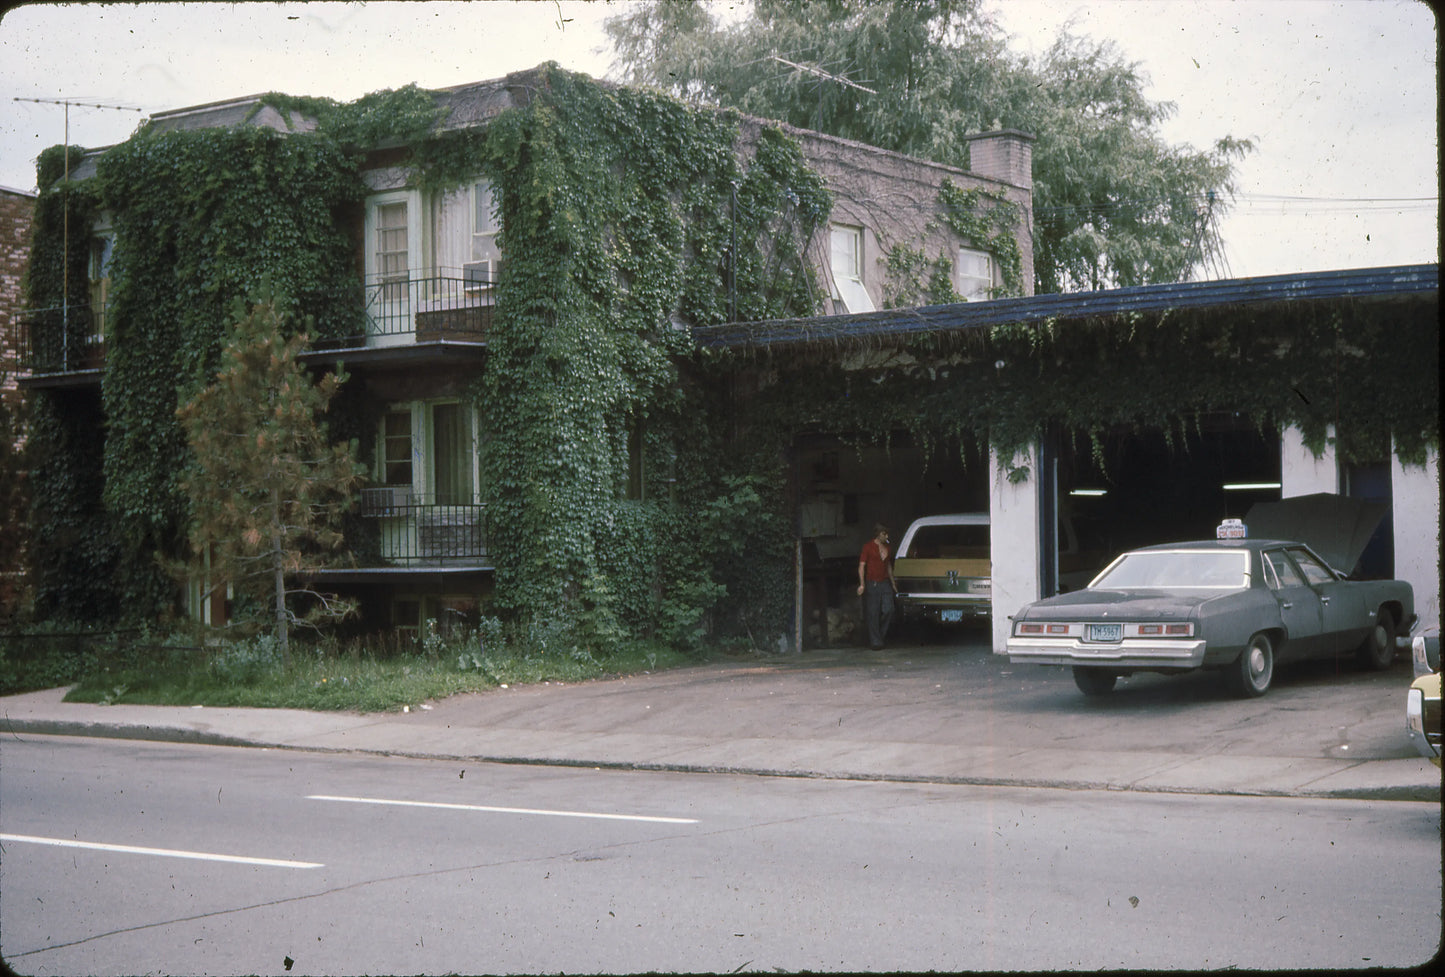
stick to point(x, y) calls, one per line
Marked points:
point(480, 275)
point(388, 500)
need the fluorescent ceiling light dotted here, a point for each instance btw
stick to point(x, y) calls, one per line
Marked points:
point(1089, 492)
point(1250, 486)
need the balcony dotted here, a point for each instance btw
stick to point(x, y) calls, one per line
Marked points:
point(67, 342)
point(417, 531)
point(410, 311)
point(63, 342)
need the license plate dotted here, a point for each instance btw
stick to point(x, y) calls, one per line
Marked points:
point(950, 617)
point(1106, 632)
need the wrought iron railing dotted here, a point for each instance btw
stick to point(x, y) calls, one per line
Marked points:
point(62, 340)
point(415, 310)
point(418, 530)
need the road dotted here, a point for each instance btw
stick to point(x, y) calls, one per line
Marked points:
point(228, 861)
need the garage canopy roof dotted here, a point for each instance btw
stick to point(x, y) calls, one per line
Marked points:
point(1357, 284)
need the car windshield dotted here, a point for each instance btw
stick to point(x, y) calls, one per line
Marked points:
point(948, 541)
point(1176, 570)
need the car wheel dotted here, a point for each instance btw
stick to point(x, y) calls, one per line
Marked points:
point(1378, 650)
point(1253, 670)
point(1095, 681)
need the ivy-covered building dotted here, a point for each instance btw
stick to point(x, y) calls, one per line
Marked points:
point(511, 274)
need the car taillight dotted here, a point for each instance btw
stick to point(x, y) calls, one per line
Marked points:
point(1031, 629)
point(1162, 630)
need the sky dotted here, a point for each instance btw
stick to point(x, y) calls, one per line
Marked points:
point(1339, 96)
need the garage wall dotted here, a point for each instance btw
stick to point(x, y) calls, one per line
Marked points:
point(1301, 472)
point(1416, 492)
point(1014, 525)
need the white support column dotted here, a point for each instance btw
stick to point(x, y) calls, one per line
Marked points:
point(1014, 540)
point(1415, 492)
point(1301, 472)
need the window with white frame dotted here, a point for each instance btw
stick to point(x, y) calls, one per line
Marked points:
point(429, 449)
point(484, 268)
point(393, 241)
point(847, 267)
point(975, 275)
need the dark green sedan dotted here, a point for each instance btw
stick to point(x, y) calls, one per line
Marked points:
point(1237, 605)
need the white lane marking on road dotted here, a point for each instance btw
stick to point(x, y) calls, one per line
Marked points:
point(503, 810)
point(161, 852)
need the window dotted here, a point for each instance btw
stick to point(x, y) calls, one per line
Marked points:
point(975, 272)
point(848, 269)
point(429, 448)
point(102, 249)
point(391, 249)
point(1279, 572)
point(396, 449)
point(486, 259)
point(452, 457)
point(1314, 571)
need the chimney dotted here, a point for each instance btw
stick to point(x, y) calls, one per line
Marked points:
point(1006, 155)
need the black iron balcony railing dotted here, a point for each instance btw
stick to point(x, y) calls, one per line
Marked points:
point(415, 310)
point(62, 340)
point(417, 530)
point(394, 313)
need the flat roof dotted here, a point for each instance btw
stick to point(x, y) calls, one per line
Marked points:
point(1359, 284)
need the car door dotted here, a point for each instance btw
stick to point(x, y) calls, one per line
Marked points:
point(1342, 624)
point(1300, 608)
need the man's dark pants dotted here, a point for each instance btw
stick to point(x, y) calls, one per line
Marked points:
point(878, 610)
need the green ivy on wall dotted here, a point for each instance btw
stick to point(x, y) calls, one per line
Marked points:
point(620, 212)
point(1366, 371)
point(619, 209)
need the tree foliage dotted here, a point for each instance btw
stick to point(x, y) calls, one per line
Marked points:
point(266, 486)
point(1113, 203)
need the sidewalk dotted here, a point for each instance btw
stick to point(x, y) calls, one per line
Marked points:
point(955, 715)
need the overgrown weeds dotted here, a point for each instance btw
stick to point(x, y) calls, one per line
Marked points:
point(372, 674)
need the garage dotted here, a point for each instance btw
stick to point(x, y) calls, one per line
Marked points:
point(1135, 487)
point(1086, 424)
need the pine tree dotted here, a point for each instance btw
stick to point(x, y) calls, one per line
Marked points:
point(266, 487)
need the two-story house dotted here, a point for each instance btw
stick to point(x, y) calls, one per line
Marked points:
point(508, 271)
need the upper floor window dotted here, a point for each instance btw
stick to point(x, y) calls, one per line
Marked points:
point(102, 249)
point(485, 265)
point(975, 273)
point(847, 267)
point(392, 242)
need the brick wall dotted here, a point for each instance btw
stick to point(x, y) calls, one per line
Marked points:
point(16, 209)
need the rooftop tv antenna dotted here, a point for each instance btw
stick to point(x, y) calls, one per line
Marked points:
point(65, 209)
point(818, 72)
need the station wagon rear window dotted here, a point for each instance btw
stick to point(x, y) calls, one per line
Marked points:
point(1177, 570)
point(948, 542)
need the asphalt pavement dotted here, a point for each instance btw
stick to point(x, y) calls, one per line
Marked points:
point(948, 712)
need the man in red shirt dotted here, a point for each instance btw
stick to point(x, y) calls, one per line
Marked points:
point(876, 585)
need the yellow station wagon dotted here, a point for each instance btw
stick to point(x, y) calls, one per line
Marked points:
point(943, 570)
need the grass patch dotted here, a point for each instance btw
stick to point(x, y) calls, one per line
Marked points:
point(360, 676)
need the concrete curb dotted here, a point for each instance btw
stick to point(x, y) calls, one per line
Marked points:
point(1381, 789)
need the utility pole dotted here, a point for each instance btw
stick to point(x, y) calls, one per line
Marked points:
point(65, 214)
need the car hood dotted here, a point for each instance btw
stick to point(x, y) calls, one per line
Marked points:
point(1335, 526)
point(1117, 604)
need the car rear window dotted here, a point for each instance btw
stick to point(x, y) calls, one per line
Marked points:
point(949, 542)
point(1176, 570)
